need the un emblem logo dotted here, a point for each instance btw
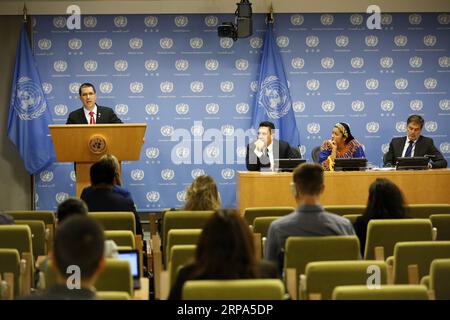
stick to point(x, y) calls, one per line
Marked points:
point(152, 153)
point(28, 99)
point(151, 21)
point(297, 63)
point(298, 106)
point(385, 148)
point(400, 126)
point(44, 44)
point(313, 128)
point(372, 127)
point(212, 152)
point(153, 196)
point(431, 126)
point(342, 41)
point(181, 21)
point(356, 19)
point(282, 41)
point(167, 131)
point(212, 108)
point(73, 176)
point(97, 144)
point(328, 106)
point(254, 86)
point(105, 43)
point(313, 84)
point(416, 105)
point(371, 41)
point(75, 44)
point(195, 173)
point(444, 104)
point(196, 43)
point(297, 19)
point(256, 42)
point(106, 87)
point(357, 62)
point(74, 86)
point(90, 21)
point(197, 86)
point(386, 62)
point(182, 152)
point(151, 109)
point(181, 196)
point(274, 97)
point(401, 84)
point(166, 43)
point(90, 65)
point(342, 84)
point(120, 21)
point(327, 63)
point(445, 147)
point(241, 64)
point(386, 19)
point(136, 87)
point(60, 110)
point(212, 64)
point(430, 83)
point(400, 40)
point(46, 176)
point(59, 22)
point(358, 105)
point(415, 62)
point(326, 19)
point(47, 87)
point(444, 62)
point(227, 129)
point(429, 40)
point(227, 173)
point(151, 65)
point(61, 197)
point(182, 108)
point(121, 65)
point(60, 66)
point(211, 21)
point(226, 43)
point(312, 41)
point(167, 174)
point(372, 84)
point(135, 43)
point(387, 105)
point(137, 174)
point(443, 18)
point(197, 130)
point(242, 108)
point(166, 87)
point(121, 109)
point(415, 19)
point(241, 152)
point(181, 64)
point(226, 86)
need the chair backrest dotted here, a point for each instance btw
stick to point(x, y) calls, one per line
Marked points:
point(351, 217)
point(122, 238)
point(251, 213)
point(113, 295)
point(442, 223)
point(248, 289)
point(16, 237)
point(420, 253)
point(322, 277)
point(261, 225)
point(299, 251)
point(184, 220)
point(181, 237)
point(315, 154)
point(345, 209)
point(386, 233)
point(179, 256)
point(48, 217)
point(385, 292)
point(424, 211)
point(10, 263)
point(115, 220)
point(38, 236)
point(440, 278)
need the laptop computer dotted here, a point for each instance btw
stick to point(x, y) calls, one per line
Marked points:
point(132, 256)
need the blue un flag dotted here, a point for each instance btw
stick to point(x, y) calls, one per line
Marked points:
point(29, 116)
point(273, 100)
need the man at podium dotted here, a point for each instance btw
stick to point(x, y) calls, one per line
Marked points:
point(91, 113)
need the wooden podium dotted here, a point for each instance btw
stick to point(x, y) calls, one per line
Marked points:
point(85, 144)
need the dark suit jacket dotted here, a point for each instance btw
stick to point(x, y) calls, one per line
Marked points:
point(424, 146)
point(280, 147)
point(104, 115)
point(61, 292)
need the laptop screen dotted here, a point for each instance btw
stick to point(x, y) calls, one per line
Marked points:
point(133, 258)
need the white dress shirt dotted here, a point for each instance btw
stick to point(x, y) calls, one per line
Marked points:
point(270, 154)
point(88, 116)
point(406, 147)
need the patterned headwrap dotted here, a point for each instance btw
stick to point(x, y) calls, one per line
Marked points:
point(342, 129)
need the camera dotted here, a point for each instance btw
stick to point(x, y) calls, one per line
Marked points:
point(243, 25)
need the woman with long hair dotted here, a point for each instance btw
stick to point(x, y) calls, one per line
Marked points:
point(202, 194)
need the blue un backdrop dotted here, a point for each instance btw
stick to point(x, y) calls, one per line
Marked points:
point(173, 72)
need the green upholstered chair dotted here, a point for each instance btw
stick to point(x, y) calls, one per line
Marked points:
point(180, 255)
point(10, 263)
point(38, 236)
point(385, 292)
point(122, 238)
point(115, 220)
point(181, 237)
point(424, 211)
point(184, 220)
point(261, 225)
point(442, 223)
point(251, 213)
point(345, 209)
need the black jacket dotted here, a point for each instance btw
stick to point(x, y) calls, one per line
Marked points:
point(254, 163)
point(104, 115)
point(424, 146)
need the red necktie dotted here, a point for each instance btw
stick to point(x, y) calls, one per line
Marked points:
point(92, 120)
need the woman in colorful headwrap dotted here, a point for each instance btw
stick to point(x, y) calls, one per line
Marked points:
point(341, 145)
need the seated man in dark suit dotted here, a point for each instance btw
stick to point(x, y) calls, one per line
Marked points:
point(261, 153)
point(90, 112)
point(102, 197)
point(414, 145)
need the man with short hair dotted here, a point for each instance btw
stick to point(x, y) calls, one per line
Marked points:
point(414, 145)
point(260, 154)
point(71, 207)
point(90, 112)
point(309, 219)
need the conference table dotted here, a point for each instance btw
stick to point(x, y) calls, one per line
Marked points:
point(267, 189)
